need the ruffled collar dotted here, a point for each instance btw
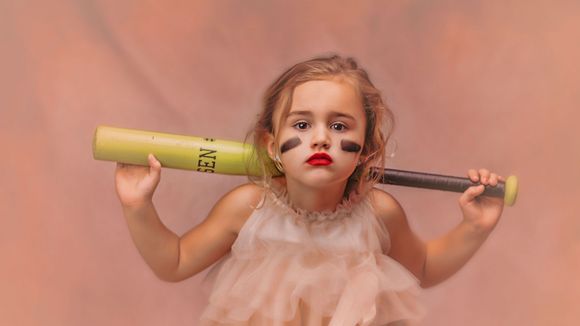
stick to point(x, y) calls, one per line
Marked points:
point(343, 209)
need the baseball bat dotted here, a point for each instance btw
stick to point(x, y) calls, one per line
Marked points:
point(234, 158)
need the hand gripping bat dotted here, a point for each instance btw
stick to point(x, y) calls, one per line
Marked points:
point(234, 158)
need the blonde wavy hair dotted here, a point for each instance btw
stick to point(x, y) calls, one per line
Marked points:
point(278, 96)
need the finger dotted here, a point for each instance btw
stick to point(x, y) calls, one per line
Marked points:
point(154, 164)
point(500, 178)
point(484, 176)
point(470, 194)
point(473, 175)
point(493, 179)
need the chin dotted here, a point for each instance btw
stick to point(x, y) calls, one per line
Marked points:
point(319, 180)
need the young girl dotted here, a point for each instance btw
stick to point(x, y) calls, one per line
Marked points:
point(319, 245)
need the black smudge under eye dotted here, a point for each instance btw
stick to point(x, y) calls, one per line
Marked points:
point(289, 144)
point(349, 146)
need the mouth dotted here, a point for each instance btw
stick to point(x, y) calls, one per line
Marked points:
point(319, 159)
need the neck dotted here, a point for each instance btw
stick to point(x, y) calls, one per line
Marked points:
point(315, 199)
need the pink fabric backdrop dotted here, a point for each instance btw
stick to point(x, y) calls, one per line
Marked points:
point(472, 83)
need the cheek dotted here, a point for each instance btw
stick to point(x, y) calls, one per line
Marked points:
point(290, 144)
point(350, 146)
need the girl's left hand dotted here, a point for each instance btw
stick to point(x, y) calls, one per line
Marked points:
point(481, 212)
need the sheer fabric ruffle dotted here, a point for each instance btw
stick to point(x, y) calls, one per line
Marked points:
point(291, 267)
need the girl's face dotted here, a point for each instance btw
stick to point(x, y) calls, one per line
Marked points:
point(321, 139)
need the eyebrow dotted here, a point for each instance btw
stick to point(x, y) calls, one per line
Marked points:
point(334, 114)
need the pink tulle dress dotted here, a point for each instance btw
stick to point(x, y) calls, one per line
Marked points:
point(292, 267)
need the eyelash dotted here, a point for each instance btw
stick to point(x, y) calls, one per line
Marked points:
point(342, 126)
point(297, 124)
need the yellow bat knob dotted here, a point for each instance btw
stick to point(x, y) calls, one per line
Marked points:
point(511, 190)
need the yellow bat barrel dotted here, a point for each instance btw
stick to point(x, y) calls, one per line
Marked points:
point(174, 151)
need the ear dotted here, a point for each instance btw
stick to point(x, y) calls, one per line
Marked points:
point(270, 143)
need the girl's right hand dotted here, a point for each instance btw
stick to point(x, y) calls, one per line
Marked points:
point(136, 184)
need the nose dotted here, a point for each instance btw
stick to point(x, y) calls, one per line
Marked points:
point(320, 138)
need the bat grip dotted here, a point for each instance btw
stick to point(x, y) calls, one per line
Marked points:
point(506, 190)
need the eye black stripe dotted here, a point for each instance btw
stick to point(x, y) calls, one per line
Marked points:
point(289, 144)
point(349, 146)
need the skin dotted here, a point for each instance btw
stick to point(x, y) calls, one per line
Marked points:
point(289, 144)
point(319, 107)
point(323, 114)
point(350, 146)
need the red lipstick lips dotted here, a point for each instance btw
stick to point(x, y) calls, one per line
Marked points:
point(318, 159)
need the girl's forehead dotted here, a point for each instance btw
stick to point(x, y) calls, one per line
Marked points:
point(337, 92)
point(320, 96)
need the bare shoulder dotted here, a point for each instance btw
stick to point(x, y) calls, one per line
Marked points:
point(210, 240)
point(234, 208)
point(405, 246)
point(386, 207)
point(248, 194)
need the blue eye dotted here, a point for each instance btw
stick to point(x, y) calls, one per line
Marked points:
point(301, 125)
point(338, 126)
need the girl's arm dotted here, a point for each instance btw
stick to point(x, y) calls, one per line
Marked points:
point(438, 259)
point(174, 258)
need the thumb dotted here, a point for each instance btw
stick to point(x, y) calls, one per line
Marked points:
point(470, 194)
point(154, 167)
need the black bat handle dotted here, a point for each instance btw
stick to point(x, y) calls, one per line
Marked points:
point(436, 181)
